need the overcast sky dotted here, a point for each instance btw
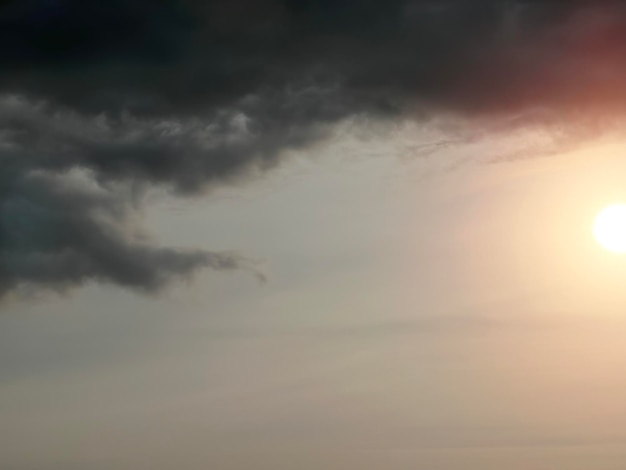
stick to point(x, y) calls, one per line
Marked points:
point(310, 234)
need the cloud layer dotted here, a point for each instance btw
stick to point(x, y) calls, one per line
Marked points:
point(102, 100)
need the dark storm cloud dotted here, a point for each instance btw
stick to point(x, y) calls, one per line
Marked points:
point(186, 94)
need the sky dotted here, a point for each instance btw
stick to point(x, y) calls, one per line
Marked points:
point(310, 234)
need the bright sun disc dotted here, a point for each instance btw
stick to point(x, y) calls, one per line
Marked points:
point(610, 228)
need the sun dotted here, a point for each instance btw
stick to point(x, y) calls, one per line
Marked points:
point(610, 228)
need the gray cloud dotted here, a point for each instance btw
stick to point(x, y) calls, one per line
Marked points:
point(58, 233)
point(187, 94)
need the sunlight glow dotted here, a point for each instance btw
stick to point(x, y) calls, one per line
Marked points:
point(610, 228)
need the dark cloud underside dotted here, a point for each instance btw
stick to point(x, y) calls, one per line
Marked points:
point(187, 94)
